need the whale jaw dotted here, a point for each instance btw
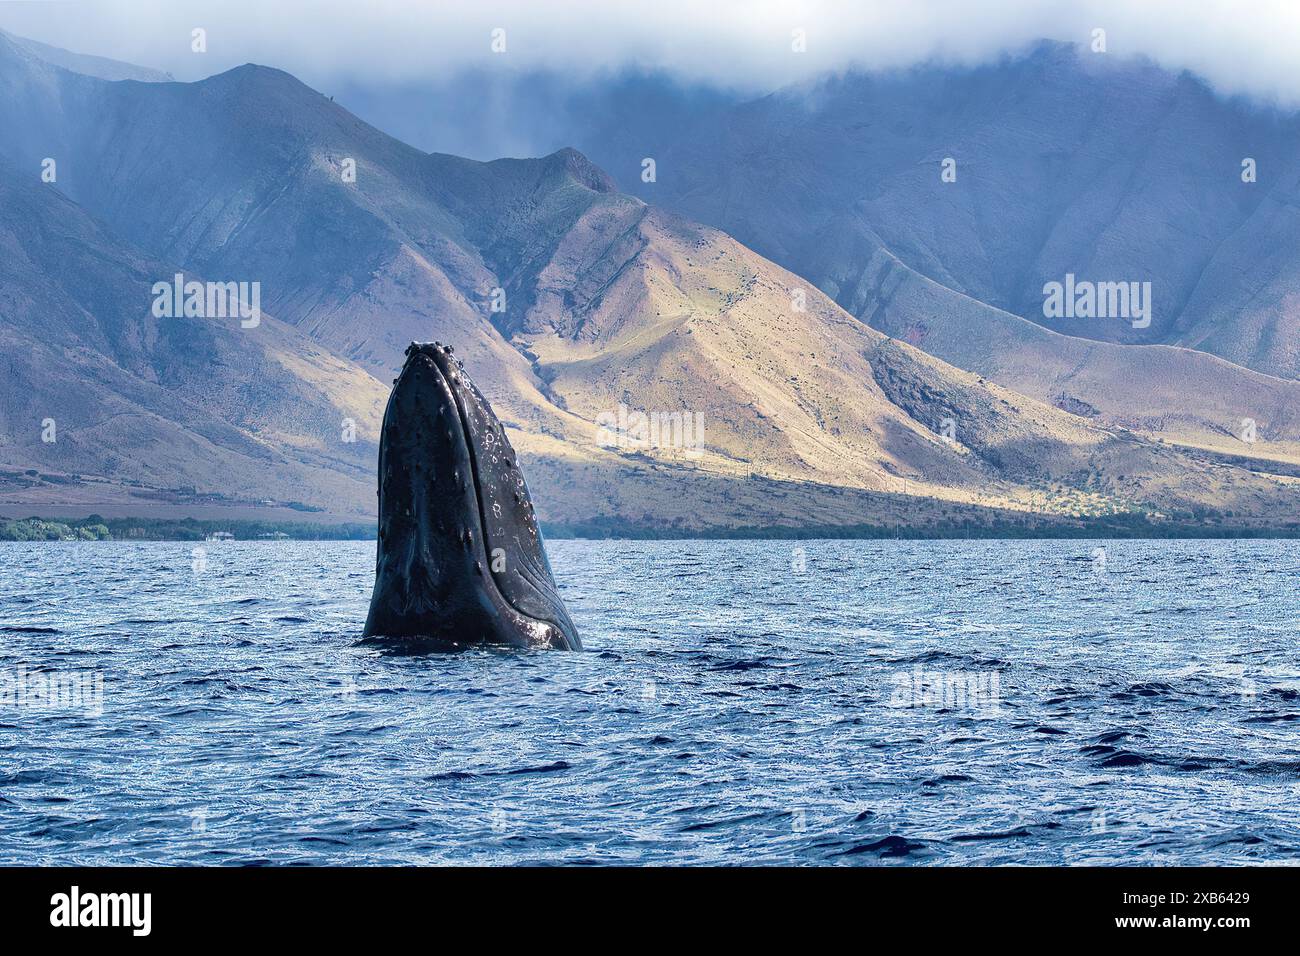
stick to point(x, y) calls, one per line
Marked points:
point(459, 559)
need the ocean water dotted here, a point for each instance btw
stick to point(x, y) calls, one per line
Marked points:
point(822, 702)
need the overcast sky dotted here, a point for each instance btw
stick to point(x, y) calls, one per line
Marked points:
point(1240, 46)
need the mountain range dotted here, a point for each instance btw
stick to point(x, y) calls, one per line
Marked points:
point(855, 335)
point(1065, 162)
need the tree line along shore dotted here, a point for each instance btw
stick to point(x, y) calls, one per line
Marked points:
point(99, 528)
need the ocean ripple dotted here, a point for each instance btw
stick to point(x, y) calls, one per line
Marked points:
point(896, 703)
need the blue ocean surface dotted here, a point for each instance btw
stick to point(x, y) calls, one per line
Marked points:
point(776, 702)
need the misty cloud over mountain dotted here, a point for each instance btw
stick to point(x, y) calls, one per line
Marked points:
point(1239, 48)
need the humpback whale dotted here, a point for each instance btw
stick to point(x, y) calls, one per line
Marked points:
point(460, 559)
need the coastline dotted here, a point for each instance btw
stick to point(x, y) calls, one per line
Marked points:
point(95, 527)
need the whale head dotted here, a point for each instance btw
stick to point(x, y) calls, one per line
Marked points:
point(460, 559)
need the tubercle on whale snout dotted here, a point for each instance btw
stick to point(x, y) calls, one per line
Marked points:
point(432, 350)
point(442, 573)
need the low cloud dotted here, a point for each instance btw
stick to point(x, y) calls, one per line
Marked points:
point(1246, 48)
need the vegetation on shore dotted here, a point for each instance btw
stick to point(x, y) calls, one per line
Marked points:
point(97, 528)
point(37, 529)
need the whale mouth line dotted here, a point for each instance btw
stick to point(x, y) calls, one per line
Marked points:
point(474, 475)
point(481, 543)
point(447, 382)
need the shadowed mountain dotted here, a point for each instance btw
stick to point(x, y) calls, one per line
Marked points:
point(567, 300)
point(96, 386)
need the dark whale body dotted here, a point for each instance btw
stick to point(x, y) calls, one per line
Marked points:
point(460, 559)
